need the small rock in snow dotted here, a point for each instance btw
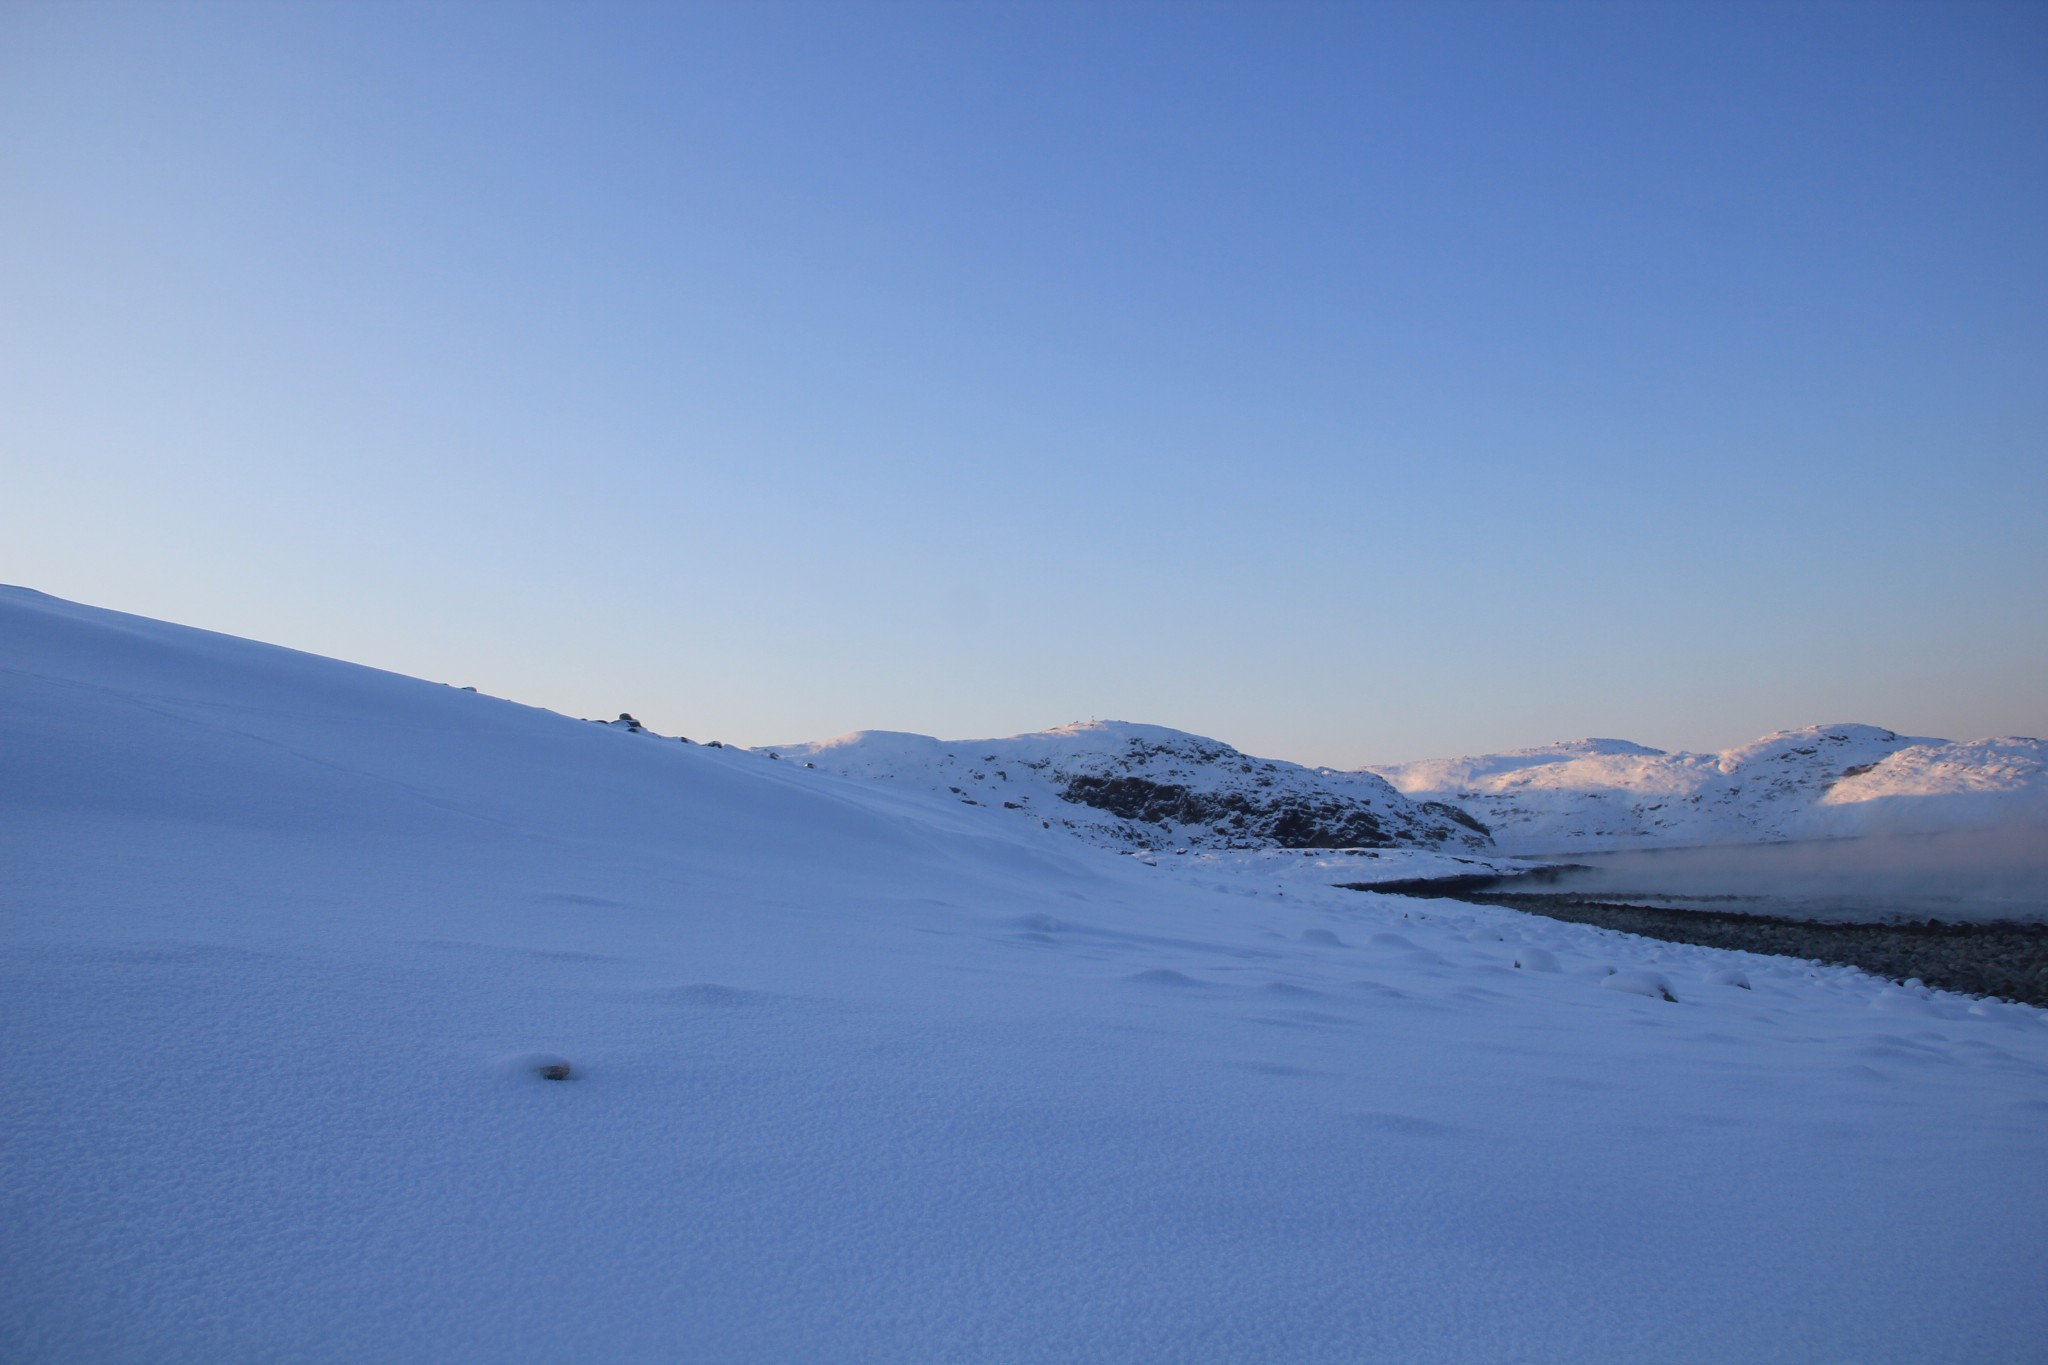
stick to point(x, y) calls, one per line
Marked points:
point(546, 1065)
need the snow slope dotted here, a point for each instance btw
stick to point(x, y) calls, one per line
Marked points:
point(1145, 786)
point(1823, 782)
point(864, 1075)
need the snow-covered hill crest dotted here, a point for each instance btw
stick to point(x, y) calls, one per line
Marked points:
point(1146, 786)
point(1825, 781)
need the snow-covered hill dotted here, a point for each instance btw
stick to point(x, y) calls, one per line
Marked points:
point(289, 949)
point(1824, 782)
point(1145, 786)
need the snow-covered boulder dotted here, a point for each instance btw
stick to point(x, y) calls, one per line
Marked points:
point(1640, 981)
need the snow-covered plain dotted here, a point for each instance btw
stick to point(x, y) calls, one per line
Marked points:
point(862, 1074)
point(1822, 782)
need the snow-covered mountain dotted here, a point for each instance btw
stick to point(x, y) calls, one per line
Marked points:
point(1823, 782)
point(1144, 786)
point(354, 1017)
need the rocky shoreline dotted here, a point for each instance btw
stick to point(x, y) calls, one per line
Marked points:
point(2007, 960)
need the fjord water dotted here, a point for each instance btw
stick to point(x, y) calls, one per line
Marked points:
point(1960, 876)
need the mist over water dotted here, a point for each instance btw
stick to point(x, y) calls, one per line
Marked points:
point(1972, 876)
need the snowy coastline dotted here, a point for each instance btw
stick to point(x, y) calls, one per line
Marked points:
point(2005, 960)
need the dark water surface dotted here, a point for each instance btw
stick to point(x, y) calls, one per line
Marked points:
point(1965, 912)
point(1969, 877)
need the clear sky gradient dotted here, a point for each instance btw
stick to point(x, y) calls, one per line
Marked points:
point(1353, 383)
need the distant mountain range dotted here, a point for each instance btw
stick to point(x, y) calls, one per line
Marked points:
point(1822, 782)
point(1135, 786)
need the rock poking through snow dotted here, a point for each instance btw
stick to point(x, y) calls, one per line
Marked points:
point(1148, 787)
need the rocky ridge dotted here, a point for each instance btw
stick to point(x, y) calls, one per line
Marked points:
point(1147, 787)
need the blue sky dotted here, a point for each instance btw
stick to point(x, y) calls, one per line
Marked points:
point(1352, 383)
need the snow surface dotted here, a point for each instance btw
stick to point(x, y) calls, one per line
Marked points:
point(860, 1074)
point(1823, 782)
point(1132, 786)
